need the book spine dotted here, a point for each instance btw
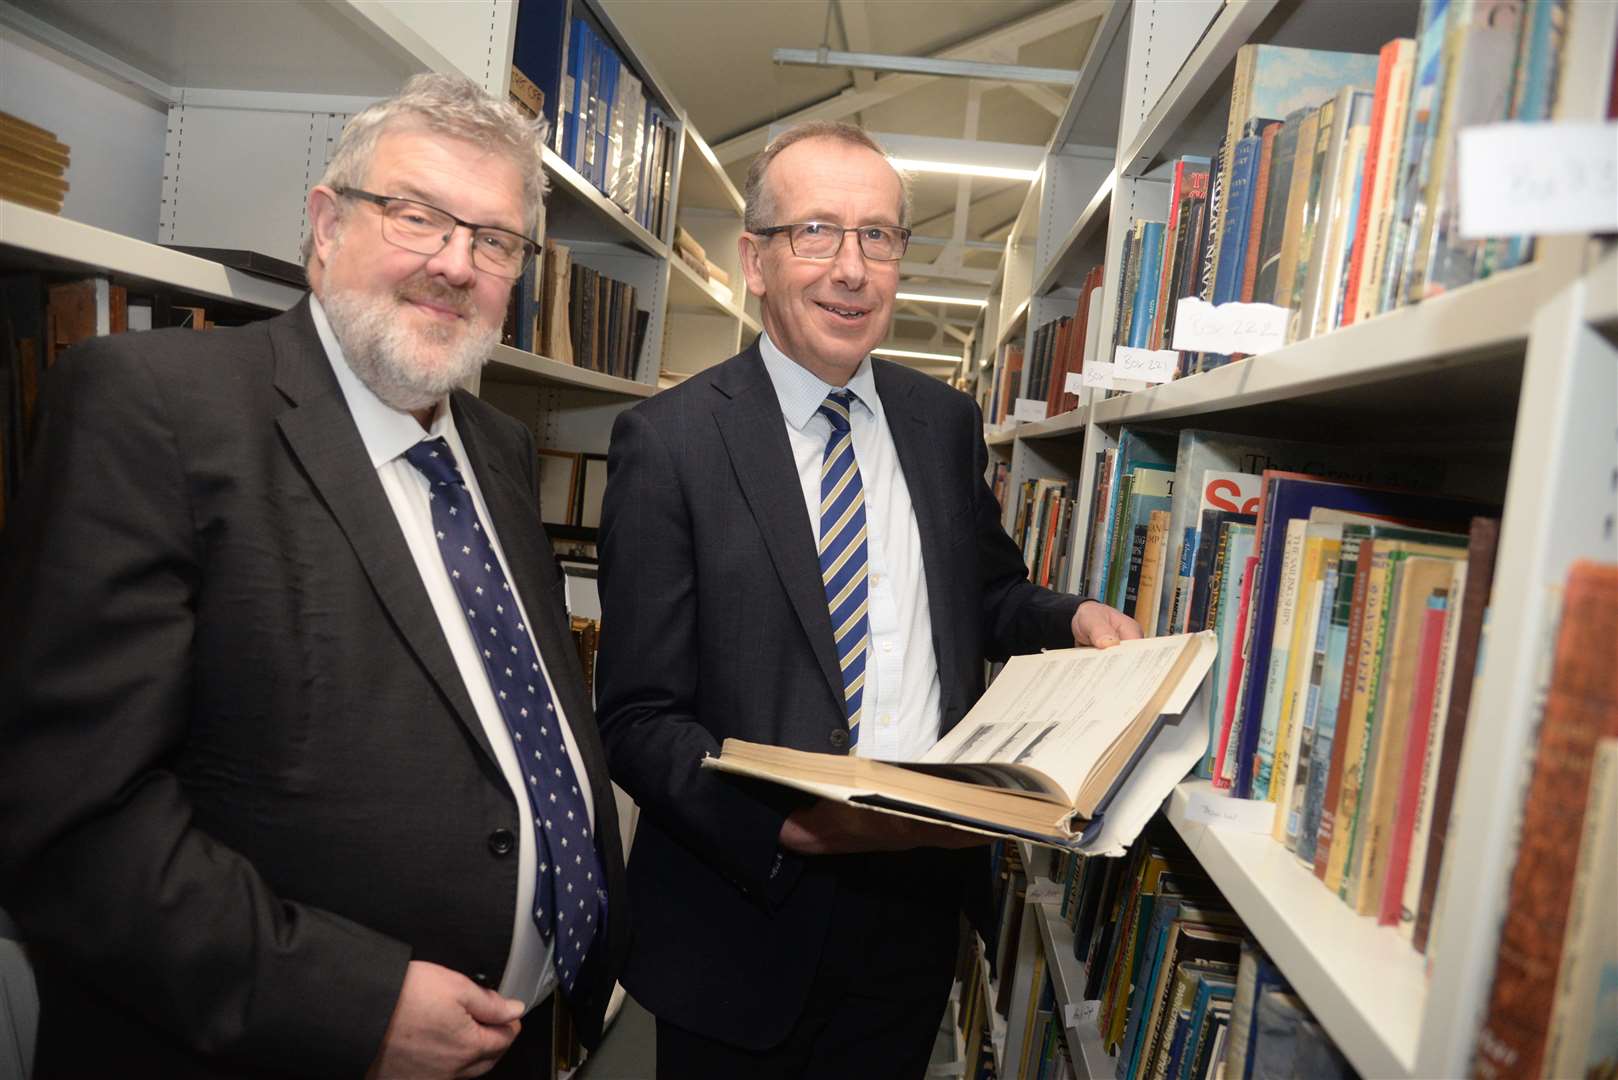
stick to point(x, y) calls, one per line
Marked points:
point(1354, 617)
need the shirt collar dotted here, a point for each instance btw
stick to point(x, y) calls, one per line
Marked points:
point(385, 431)
point(801, 392)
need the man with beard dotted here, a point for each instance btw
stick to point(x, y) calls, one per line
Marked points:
point(300, 776)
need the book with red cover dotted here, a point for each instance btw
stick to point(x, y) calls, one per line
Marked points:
point(1434, 621)
point(1483, 540)
point(1581, 708)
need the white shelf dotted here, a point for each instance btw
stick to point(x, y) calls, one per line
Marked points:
point(1483, 321)
point(688, 292)
point(1067, 265)
point(576, 212)
point(1601, 288)
point(1067, 980)
point(704, 184)
point(1013, 325)
point(358, 48)
point(1061, 425)
point(514, 365)
point(60, 243)
point(1364, 983)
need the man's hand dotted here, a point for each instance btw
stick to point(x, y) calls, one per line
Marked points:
point(1097, 624)
point(827, 827)
point(445, 1025)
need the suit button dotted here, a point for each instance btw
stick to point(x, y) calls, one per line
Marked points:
point(501, 841)
point(839, 737)
point(481, 979)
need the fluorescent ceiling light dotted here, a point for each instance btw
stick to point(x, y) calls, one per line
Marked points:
point(940, 298)
point(909, 355)
point(998, 172)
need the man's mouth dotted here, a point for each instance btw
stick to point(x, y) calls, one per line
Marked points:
point(842, 311)
point(440, 308)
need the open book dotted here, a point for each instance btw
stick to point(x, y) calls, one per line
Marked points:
point(1040, 756)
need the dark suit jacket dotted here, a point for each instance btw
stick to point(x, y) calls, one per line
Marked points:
point(242, 783)
point(715, 625)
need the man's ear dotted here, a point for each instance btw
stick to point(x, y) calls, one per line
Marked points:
point(752, 252)
point(325, 219)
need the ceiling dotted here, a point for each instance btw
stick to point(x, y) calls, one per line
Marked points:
point(733, 92)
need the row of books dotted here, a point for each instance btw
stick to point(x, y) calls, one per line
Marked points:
point(1334, 191)
point(1043, 526)
point(1348, 614)
point(1181, 989)
point(33, 165)
point(612, 133)
point(571, 487)
point(39, 318)
point(584, 317)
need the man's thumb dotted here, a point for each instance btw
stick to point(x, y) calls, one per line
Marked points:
point(488, 1007)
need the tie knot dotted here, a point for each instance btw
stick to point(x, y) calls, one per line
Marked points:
point(436, 461)
point(835, 408)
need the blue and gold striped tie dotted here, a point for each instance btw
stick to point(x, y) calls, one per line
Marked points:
point(843, 560)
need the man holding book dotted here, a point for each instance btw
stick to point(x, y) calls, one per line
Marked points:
point(300, 774)
point(798, 549)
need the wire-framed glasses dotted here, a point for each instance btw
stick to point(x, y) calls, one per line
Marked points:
point(823, 240)
point(426, 230)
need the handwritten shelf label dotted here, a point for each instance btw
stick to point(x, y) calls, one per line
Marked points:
point(1073, 383)
point(1044, 891)
point(1229, 328)
point(1223, 812)
point(1028, 409)
point(1098, 373)
point(1146, 365)
point(1538, 179)
point(1075, 1012)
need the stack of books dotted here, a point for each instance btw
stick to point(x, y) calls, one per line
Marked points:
point(33, 165)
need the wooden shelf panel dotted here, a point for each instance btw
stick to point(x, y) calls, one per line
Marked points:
point(59, 243)
point(1364, 983)
point(513, 365)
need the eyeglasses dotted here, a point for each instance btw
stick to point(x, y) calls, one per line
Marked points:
point(822, 240)
point(426, 230)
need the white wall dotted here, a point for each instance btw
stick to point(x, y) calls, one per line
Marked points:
point(116, 136)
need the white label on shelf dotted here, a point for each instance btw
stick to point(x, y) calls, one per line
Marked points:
point(1538, 179)
point(1229, 328)
point(1098, 373)
point(1044, 891)
point(1074, 383)
point(1075, 1011)
point(1028, 409)
point(1146, 365)
point(1221, 811)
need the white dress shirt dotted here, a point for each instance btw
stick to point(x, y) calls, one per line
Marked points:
point(387, 433)
point(899, 714)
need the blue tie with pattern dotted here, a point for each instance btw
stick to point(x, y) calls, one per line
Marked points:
point(843, 563)
point(570, 896)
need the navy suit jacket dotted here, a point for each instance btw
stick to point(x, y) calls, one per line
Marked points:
point(714, 625)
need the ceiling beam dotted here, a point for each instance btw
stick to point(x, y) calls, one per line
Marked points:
point(925, 65)
point(957, 273)
point(1014, 34)
point(1044, 97)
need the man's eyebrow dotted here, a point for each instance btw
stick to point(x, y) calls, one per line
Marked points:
point(834, 219)
point(407, 190)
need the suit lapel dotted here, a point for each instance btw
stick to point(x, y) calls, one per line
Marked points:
point(322, 436)
point(513, 510)
point(754, 430)
point(913, 440)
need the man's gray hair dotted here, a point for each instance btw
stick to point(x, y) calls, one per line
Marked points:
point(449, 105)
point(760, 209)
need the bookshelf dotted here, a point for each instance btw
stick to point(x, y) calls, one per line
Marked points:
point(1511, 381)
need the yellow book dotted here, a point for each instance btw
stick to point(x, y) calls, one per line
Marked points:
point(1318, 541)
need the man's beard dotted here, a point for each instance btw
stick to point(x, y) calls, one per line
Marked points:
point(406, 366)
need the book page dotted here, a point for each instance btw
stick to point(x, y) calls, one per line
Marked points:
point(1061, 712)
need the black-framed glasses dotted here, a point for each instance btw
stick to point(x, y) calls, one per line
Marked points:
point(823, 240)
point(426, 230)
